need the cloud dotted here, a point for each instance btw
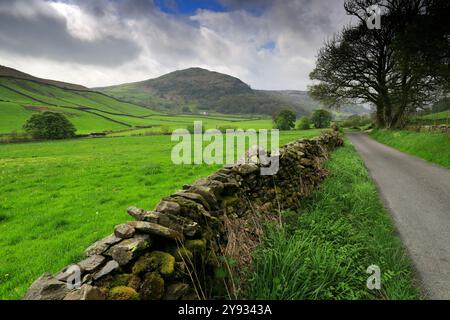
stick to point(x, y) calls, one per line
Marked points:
point(268, 44)
point(60, 32)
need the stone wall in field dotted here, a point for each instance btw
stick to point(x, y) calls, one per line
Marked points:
point(179, 250)
point(429, 128)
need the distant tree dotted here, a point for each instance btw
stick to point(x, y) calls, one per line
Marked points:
point(304, 123)
point(185, 109)
point(49, 125)
point(285, 119)
point(321, 118)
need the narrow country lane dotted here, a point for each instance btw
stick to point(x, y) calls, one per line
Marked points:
point(417, 194)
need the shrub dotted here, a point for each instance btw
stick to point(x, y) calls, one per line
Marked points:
point(304, 123)
point(165, 130)
point(284, 120)
point(224, 128)
point(356, 121)
point(190, 128)
point(321, 118)
point(49, 125)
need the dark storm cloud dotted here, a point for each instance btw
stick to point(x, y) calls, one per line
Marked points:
point(42, 33)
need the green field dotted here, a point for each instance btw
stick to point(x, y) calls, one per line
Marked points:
point(323, 250)
point(434, 147)
point(58, 197)
point(439, 116)
point(95, 112)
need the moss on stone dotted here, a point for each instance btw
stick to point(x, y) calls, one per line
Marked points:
point(159, 261)
point(111, 281)
point(123, 293)
point(152, 287)
point(196, 246)
point(230, 201)
point(183, 254)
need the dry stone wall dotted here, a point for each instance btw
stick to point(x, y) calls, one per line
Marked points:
point(174, 251)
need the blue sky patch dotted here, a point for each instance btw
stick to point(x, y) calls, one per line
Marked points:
point(269, 45)
point(188, 6)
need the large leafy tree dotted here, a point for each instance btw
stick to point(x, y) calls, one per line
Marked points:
point(321, 118)
point(285, 119)
point(398, 68)
point(49, 125)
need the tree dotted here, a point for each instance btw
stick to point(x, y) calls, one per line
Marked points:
point(285, 119)
point(49, 125)
point(304, 123)
point(321, 118)
point(397, 68)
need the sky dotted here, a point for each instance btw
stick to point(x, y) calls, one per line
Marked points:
point(269, 44)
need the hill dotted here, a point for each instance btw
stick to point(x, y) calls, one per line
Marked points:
point(199, 89)
point(21, 95)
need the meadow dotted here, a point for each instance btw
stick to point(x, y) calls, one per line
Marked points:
point(58, 197)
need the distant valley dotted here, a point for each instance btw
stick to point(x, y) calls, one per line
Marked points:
point(171, 101)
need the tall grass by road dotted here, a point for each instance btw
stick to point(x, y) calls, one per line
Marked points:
point(323, 251)
point(434, 147)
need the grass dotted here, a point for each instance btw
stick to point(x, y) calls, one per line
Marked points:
point(56, 198)
point(431, 146)
point(323, 251)
point(438, 116)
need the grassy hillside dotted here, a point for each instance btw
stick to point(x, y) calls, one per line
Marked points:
point(197, 88)
point(438, 116)
point(92, 111)
point(13, 73)
point(434, 147)
point(58, 197)
point(89, 111)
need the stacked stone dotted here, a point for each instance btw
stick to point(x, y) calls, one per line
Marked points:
point(443, 128)
point(162, 254)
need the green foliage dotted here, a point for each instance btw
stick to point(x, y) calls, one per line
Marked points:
point(323, 251)
point(191, 128)
point(321, 118)
point(285, 119)
point(356, 121)
point(434, 147)
point(50, 126)
point(304, 123)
